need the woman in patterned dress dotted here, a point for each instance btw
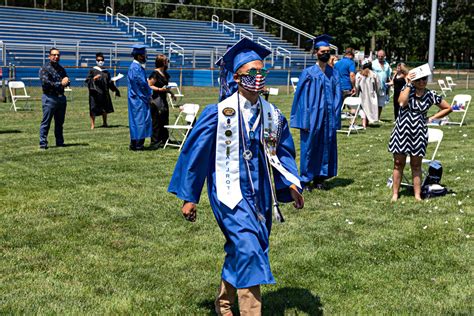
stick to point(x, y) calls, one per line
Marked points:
point(410, 134)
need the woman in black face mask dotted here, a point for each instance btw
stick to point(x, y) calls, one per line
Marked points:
point(159, 107)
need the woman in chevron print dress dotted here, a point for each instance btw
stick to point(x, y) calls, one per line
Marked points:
point(410, 134)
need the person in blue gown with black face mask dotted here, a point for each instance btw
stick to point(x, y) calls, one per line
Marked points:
point(239, 145)
point(139, 94)
point(316, 112)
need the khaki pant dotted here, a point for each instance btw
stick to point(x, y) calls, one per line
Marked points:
point(250, 300)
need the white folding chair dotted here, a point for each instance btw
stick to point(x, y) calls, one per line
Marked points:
point(460, 100)
point(179, 96)
point(294, 83)
point(434, 136)
point(352, 103)
point(450, 82)
point(14, 86)
point(273, 91)
point(443, 87)
point(183, 125)
point(68, 93)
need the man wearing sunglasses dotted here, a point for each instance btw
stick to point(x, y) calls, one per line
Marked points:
point(53, 81)
point(316, 113)
point(241, 146)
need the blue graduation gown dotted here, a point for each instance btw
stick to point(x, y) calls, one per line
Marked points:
point(247, 238)
point(139, 93)
point(316, 112)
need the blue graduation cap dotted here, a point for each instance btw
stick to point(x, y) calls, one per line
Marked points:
point(218, 63)
point(244, 51)
point(139, 49)
point(322, 40)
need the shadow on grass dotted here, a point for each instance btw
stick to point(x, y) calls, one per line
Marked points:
point(338, 182)
point(111, 126)
point(12, 131)
point(280, 302)
point(73, 145)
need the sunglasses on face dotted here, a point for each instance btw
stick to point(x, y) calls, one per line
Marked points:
point(253, 72)
point(422, 79)
point(55, 54)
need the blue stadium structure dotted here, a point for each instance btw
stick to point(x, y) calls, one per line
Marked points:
point(26, 35)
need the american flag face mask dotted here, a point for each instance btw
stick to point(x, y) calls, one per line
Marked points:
point(253, 83)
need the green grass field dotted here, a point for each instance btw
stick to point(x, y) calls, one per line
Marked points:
point(91, 229)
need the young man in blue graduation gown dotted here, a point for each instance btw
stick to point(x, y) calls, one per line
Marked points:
point(139, 93)
point(316, 112)
point(231, 146)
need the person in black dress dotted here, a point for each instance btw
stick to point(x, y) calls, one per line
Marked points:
point(159, 107)
point(99, 83)
point(410, 134)
point(398, 81)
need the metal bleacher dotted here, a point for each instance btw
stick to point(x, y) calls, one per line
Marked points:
point(26, 35)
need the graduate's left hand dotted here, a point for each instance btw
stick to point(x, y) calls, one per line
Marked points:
point(297, 197)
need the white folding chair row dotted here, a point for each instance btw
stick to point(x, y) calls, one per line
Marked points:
point(460, 100)
point(15, 87)
point(352, 103)
point(179, 96)
point(182, 126)
point(443, 87)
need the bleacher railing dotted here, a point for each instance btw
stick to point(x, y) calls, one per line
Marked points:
point(244, 33)
point(286, 54)
point(123, 19)
point(176, 49)
point(226, 25)
point(215, 20)
point(283, 26)
point(109, 11)
point(157, 38)
point(139, 28)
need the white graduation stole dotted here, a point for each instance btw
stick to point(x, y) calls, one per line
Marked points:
point(228, 149)
point(227, 153)
point(97, 68)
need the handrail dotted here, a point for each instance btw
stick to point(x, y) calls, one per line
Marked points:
point(244, 33)
point(124, 19)
point(280, 51)
point(281, 23)
point(136, 27)
point(175, 48)
point(215, 19)
point(155, 37)
point(229, 26)
point(109, 11)
point(264, 43)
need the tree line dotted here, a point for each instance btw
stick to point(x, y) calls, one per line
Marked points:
point(400, 27)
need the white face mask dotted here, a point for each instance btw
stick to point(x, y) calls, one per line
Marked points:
point(100, 63)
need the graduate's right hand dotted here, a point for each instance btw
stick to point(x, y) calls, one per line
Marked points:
point(297, 197)
point(189, 211)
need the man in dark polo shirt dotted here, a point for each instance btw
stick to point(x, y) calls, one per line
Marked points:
point(53, 81)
